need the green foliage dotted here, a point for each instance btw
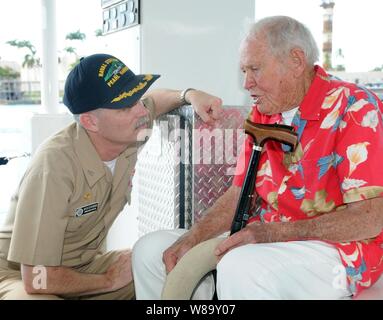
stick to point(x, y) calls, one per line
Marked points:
point(30, 59)
point(98, 33)
point(70, 50)
point(8, 73)
point(77, 35)
point(22, 44)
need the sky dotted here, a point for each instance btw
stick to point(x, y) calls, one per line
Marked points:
point(21, 20)
point(357, 26)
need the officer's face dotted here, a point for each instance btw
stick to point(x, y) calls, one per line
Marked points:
point(122, 126)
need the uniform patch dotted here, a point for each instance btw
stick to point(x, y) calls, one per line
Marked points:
point(82, 211)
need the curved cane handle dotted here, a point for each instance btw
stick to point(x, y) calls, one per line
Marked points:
point(192, 267)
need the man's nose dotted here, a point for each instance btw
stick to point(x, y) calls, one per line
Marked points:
point(248, 81)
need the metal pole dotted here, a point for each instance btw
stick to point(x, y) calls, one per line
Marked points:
point(49, 83)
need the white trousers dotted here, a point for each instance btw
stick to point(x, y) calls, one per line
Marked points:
point(282, 270)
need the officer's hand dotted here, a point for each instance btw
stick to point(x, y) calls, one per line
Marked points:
point(120, 272)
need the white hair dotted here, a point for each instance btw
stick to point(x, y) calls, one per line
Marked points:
point(284, 34)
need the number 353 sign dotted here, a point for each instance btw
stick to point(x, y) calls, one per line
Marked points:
point(117, 14)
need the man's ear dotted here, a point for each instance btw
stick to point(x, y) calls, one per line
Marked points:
point(89, 121)
point(298, 61)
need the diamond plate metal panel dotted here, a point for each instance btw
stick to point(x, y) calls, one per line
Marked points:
point(215, 151)
point(185, 166)
point(158, 178)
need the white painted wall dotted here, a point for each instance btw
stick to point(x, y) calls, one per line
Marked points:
point(125, 45)
point(195, 44)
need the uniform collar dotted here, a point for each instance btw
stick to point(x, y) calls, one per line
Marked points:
point(313, 100)
point(122, 164)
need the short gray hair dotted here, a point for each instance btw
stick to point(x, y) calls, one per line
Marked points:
point(284, 34)
point(76, 117)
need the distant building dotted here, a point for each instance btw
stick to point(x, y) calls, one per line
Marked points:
point(372, 80)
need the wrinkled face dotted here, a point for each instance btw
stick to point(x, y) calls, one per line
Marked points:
point(268, 79)
point(122, 126)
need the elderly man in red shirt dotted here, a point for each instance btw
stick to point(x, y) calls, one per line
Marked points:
point(318, 229)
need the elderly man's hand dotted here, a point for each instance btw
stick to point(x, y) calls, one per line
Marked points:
point(255, 232)
point(177, 250)
point(208, 107)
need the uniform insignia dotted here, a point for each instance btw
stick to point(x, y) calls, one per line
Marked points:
point(87, 196)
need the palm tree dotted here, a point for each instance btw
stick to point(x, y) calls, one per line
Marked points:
point(30, 59)
point(70, 50)
point(98, 33)
point(78, 36)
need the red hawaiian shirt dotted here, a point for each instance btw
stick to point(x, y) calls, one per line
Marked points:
point(338, 160)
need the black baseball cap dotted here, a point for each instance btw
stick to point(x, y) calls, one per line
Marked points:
point(103, 81)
